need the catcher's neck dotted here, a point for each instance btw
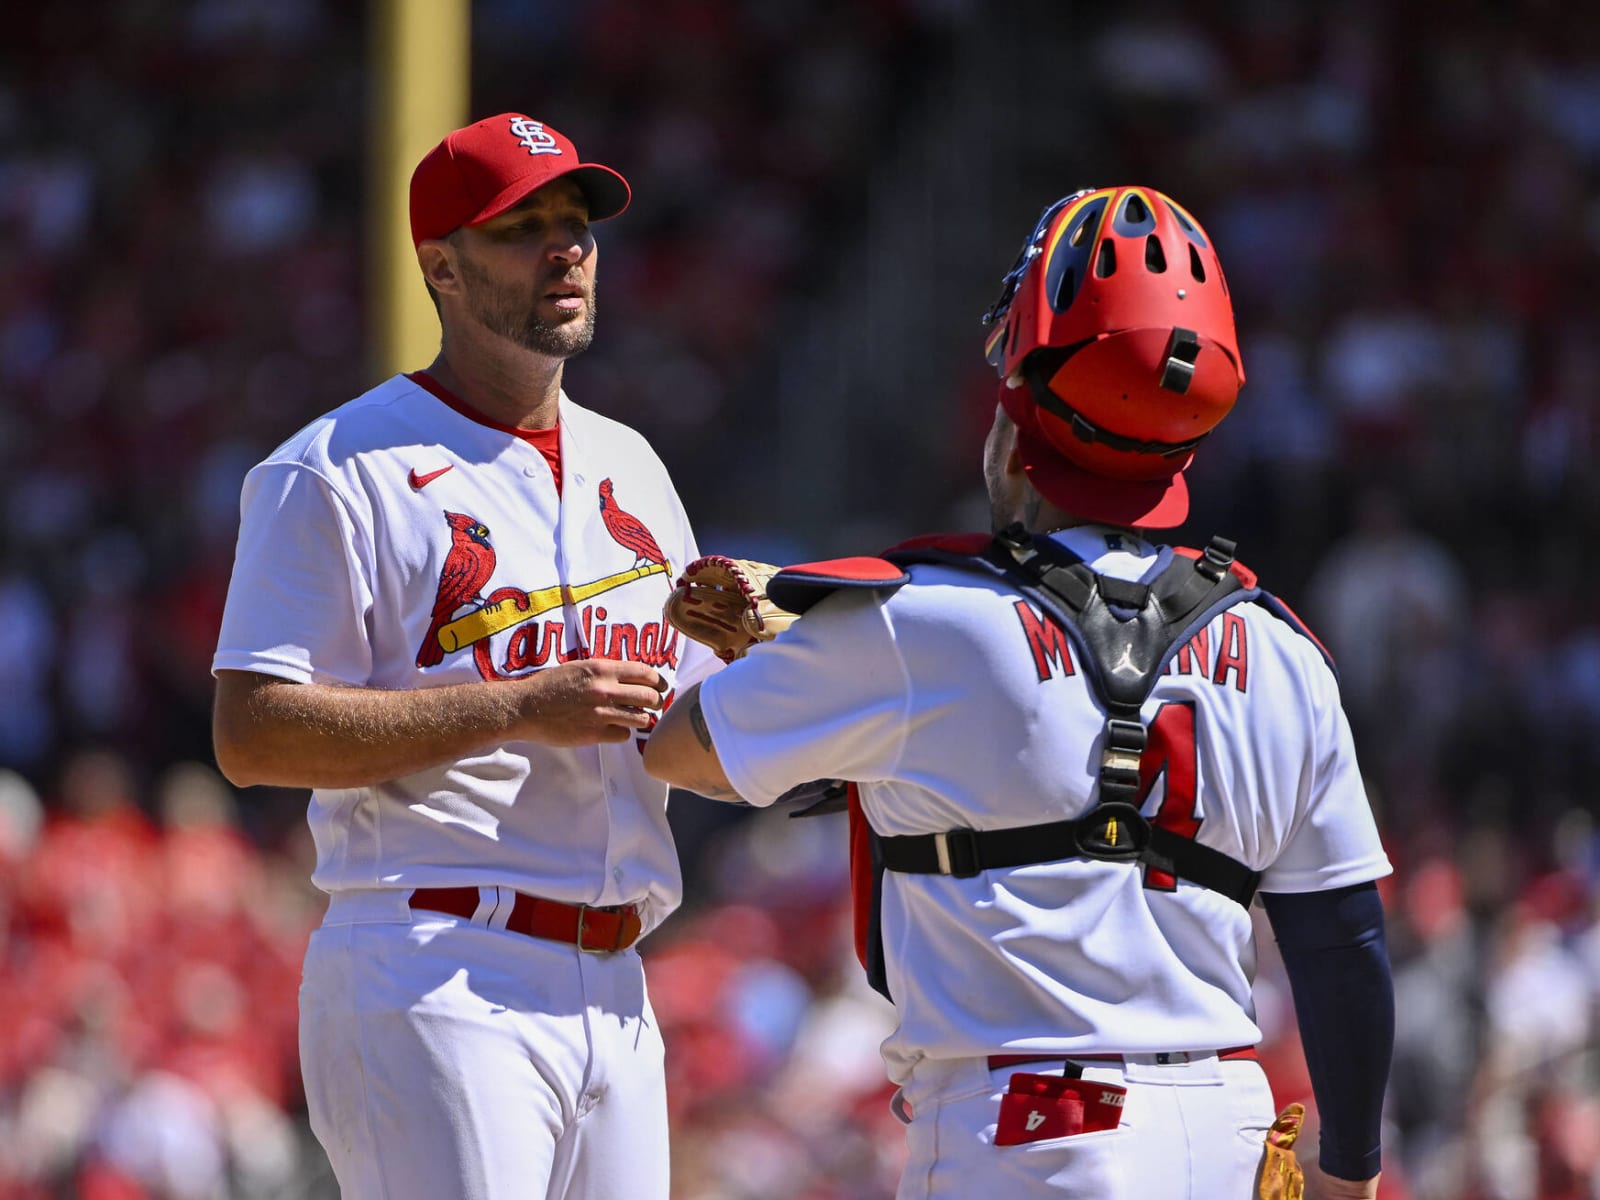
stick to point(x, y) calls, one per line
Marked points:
point(1040, 516)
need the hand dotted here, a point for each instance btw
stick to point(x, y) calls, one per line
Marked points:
point(587, 701)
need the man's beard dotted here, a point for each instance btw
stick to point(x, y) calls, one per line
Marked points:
point(557, 339)
point(515, 317)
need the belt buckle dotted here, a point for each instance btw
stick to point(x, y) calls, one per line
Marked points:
point(583, 916)
point(957, 853)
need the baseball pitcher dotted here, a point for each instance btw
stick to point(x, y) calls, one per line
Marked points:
point(445, 619)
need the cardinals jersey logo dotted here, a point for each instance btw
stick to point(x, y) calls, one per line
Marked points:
point(466, 571)
point(463, 619)
point(628, 530)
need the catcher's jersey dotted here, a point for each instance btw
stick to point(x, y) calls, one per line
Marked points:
point(955, 703)
point(399, 543)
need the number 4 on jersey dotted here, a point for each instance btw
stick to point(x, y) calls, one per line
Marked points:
point(1170, 751)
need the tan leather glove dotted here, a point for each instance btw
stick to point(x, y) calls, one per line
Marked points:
point(723, 603)
point(1281, 1177)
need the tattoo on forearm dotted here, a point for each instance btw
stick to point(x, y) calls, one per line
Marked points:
point(712, 791)
point(702, 733)
point(697, 719)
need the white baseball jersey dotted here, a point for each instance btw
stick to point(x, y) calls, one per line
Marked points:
point(954, 703)
point(399, 542)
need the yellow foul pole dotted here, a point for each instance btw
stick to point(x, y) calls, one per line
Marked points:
point(421, 72)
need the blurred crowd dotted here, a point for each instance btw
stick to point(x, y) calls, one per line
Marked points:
point(1407, 200)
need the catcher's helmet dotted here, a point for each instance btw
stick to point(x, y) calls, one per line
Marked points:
point(1114, 334)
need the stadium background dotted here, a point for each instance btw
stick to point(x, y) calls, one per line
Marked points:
point(1407, 199)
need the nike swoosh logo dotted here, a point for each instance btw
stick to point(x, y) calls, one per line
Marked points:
point(418, 482)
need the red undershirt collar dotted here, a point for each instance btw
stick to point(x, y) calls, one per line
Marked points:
point(546, 441)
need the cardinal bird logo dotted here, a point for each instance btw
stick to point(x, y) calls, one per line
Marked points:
point(628, 529)
point(466, 570)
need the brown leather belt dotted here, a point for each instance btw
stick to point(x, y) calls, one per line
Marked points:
point(997, 1061)
point(591, 929)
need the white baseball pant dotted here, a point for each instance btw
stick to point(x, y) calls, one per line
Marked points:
point(1192, 1128)
point(447, 1058)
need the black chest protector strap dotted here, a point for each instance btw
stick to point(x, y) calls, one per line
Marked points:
point(1125, 633)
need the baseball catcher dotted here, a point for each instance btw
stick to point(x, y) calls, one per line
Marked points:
point(1080, 756)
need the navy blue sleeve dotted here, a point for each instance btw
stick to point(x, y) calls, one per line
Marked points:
point(1338, 964)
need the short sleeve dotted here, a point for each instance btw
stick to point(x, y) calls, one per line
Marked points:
point(826, 699)
point(1334, 842)
point(298, 602)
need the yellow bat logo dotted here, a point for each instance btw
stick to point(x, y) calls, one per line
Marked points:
point(514, 610)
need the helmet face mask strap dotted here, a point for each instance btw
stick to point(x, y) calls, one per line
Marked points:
point(1041, 366)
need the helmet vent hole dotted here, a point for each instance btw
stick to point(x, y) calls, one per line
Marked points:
point(1155, 258)
point(1065, 291)
point(1078, 234)
point(1134, 211)
point(1105, 263)
point(1196, 267)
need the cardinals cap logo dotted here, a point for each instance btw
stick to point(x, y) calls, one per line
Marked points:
point(533, 135)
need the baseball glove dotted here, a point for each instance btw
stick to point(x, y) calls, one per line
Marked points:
point(723, 603)
point(1281, 1177)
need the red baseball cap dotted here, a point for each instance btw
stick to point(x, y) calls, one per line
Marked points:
point(1158, 503)
point(494, 164)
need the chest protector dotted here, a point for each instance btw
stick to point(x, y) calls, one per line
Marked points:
point(1125, 634)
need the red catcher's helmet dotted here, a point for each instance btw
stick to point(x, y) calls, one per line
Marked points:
point(1115, 321)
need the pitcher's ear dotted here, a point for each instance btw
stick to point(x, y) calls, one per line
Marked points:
point(436, 257)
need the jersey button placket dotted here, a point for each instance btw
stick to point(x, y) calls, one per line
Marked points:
point(610, 789)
